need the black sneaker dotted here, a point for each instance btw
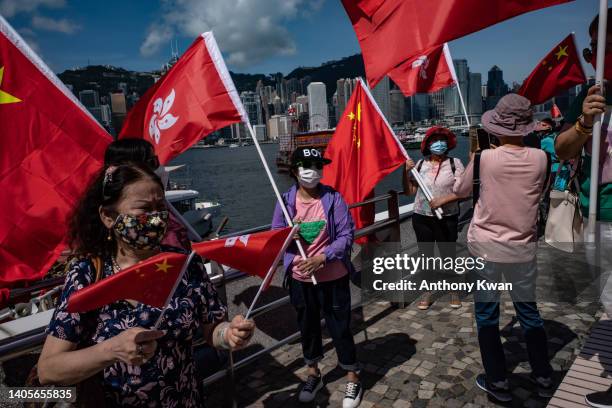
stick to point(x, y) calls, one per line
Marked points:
point(600, 399)
point(310, 388)
point(500, 390)
point(352, 395)
point(545, 386)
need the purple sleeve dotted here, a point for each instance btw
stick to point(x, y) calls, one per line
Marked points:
point(278, 219)
point(345, 231)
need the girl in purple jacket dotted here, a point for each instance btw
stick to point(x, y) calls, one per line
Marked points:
point(326, 233)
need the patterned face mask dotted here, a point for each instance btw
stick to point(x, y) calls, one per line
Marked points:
point(143, 231)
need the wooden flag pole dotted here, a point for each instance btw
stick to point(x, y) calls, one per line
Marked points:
point(596, 141)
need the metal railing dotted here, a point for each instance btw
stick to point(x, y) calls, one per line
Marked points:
point(31, 341)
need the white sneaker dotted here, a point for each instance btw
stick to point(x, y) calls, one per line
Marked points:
point(310, 388)
point(352, 395)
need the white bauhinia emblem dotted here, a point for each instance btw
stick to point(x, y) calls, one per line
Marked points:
point(230, 242)
point(162, 119)
point(422, 63)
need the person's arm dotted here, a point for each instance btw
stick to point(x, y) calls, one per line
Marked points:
point(278, 219)
point(345, 231)
point(570, 141)
point(410, 186)
point(60, 363)
point(464, 182)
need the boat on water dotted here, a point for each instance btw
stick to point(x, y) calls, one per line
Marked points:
point(288, 143)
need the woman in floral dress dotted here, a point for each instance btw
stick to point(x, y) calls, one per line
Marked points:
point(119, 222)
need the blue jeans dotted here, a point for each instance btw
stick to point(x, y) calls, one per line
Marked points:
point(486, 311)
point(333, 300)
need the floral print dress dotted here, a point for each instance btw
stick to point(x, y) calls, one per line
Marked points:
point(169, 378)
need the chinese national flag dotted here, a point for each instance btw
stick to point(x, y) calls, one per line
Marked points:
point(255, 254)
point(558, 71)
point(363, 150)
point(192, 100)
point(392, 32)
point(425, 73)
point(50, 147)
point(151, 282)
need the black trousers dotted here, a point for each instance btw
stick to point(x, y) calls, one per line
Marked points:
point(431, 230)
point(333, 300)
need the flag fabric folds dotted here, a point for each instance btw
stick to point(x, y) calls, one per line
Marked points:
point(559, 70)
point(42, 124)
point(363, 150)
point(192, 100)
point(392, 32)
point(151, 282)
point(253, 254)
point(426, 72)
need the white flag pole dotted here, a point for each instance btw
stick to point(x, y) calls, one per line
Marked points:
point(451, 67)
point(596, 140)
point(217, 58)
point(266, 281)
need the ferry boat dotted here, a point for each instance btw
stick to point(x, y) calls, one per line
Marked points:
point(288, 143)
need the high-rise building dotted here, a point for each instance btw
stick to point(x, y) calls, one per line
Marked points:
point(381, 96)
point(344, 89)
point(260, 132)
point(252, 106)
point(89, 98)
point(437, 105)
point(118, 106)
point(496, 87)
point(278, 125)
point(317, 106)
point(278, 105)
point(421, 107)
point(397, 106)
point(302, 104)
point(475, 97)
point(452, 102)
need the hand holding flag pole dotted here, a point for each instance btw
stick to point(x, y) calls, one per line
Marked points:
point(425, 189)
point(276, 192)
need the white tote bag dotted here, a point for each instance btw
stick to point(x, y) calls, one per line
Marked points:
point(564, 227)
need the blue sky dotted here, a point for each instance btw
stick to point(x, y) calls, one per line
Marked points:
point(261, 36)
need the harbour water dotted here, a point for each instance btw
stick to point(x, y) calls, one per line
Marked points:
point(237, 180)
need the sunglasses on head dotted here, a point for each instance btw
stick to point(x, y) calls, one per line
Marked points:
point(308, 164)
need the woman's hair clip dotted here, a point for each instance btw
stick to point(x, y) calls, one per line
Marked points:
point(108, 178)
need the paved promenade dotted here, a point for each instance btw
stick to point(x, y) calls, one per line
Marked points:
point(417, 359)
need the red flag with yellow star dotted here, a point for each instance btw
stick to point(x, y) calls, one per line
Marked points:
point(151, 282)
point(558, 71)
point(363, 150)
point(50, 147)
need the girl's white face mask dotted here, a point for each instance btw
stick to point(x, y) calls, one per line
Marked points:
point(308, 178)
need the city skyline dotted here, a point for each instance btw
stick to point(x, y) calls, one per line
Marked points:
point(302, 33)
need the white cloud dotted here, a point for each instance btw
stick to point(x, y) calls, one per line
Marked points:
point(247, 31)
point(9, 8)
point(49, 24)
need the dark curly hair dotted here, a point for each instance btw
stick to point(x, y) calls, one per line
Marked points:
point(87, 235)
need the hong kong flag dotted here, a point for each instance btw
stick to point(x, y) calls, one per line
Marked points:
point(192, 100)
point(425, 73)
point(151, 282)
point(559, 70)
point(363, 150)
point(393, 32)
point(50, 148)
point(256, 254)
